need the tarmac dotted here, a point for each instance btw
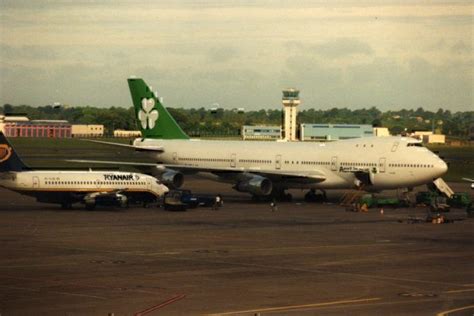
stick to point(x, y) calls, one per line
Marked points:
point(243, 259)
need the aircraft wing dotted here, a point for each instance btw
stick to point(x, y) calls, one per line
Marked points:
point(468, 179)
point(313, 176)
point(122, 163)
point(141, 148)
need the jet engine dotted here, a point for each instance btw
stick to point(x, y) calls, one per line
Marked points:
point(256, 185)
point(171, 178)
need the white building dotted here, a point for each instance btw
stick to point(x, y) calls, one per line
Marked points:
point(381, 131)
point(78, 130)
point(420, 134)
point(261, 132)
point(434, 139)
point(126, 134)
point(329, 132)
point(290, 102)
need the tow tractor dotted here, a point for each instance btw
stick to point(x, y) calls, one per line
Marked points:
point(181, 200)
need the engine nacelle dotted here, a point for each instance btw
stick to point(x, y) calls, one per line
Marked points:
point(171, 178)
point(257, 185)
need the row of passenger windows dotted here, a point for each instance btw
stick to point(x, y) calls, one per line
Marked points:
point(319, 163)
point(205, 159)
point(94, 182)
point(254, 161)
point(359, 164)
point(409, 165)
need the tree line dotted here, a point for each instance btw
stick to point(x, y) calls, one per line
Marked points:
point(204, 122)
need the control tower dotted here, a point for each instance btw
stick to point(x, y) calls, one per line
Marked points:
point(290, 101)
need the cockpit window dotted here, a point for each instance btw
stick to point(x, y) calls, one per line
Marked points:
point(414, 145)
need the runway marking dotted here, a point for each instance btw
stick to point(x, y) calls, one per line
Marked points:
point(162, 304)
point(293, 307)
point(460, 291)
point(454, 310)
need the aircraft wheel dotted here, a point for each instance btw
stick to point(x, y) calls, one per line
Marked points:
point(309, 197)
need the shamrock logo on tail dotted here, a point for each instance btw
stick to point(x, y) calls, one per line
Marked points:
point(147, 115)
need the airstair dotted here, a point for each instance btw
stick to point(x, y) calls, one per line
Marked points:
point(443, 187)
point(351, 197)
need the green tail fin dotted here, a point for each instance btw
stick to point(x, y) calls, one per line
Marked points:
point(152, 117)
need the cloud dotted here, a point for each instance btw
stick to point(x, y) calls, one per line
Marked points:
point(342, 47)
point(8, 52)
point(238, 52)
point(222, 54)
point(462, 48)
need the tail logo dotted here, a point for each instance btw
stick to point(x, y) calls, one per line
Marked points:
point(5, 152)
point(147, 114)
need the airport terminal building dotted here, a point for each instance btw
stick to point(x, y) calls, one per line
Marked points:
point(329, 132)
point(261, 132)
point(20, 126)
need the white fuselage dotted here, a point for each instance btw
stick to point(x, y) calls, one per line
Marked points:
point(36, 183)
point(394, 162)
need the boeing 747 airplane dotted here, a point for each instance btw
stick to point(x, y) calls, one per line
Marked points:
point(264, 168)
point(68, 187)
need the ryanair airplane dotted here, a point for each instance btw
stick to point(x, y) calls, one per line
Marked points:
point(264, 168)
point(68, 187)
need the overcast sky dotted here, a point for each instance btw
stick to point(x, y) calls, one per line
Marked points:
point(388, 54)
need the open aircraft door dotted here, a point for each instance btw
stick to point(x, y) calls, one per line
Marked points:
point(278, 162)
point(36, 182)
point(382, 164)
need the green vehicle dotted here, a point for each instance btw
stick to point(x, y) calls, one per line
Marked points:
point(460, 200)
point(425, 197)
point(372, 201)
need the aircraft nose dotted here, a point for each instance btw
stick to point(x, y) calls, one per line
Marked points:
point(441, 167)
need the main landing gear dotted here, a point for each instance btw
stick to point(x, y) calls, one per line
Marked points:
point(312, 196)
point(278, 194)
